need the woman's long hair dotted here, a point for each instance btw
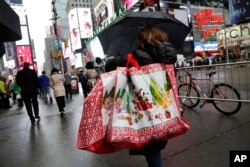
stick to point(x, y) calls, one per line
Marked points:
point(151, 36)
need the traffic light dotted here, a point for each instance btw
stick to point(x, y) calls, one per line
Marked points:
point(66, 43)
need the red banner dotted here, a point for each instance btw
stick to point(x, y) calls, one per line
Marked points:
point(24, 55)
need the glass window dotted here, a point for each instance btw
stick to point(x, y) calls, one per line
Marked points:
point(72, 5)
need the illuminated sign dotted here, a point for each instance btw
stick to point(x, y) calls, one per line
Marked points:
point(235, 35)
point(205, 17)
point(24, 55)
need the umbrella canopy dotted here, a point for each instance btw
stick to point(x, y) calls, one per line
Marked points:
point(122, 36)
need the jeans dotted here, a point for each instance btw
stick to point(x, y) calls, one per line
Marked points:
point(45, 93)
point(154, 159)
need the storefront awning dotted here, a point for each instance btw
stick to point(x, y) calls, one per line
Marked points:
point(9, 24)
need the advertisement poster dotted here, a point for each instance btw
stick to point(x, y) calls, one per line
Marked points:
point(85, 21)
point(74, 29)
point(104, 10)
point(239, 10)
point(130, 3)
point(23, 55)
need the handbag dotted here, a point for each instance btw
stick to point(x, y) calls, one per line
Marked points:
point(146, 107)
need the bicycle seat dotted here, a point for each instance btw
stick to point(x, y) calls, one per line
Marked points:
point(211, 73)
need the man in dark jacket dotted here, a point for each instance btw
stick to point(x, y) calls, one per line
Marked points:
point(28, 81)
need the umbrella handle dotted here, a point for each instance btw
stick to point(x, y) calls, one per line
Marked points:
point(132, 61)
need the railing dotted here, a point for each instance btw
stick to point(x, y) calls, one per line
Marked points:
point(236, 74)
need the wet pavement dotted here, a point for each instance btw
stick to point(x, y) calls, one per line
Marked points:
point(52, 142)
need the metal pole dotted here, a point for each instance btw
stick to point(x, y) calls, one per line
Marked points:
point(79, 33)
point(225, 33)
point(57, 36)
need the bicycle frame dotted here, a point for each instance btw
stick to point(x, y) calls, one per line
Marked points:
point(192, 83)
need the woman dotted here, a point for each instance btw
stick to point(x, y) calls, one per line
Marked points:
point(153, 48)
point(92, 75)
point(57, 84)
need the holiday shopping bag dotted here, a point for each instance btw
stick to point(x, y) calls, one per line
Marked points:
point(146, 107)
point(95, 116)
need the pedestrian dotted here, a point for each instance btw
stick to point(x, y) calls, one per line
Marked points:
point(17, 92)
point(83, 80)
point(67, 85)
point(100, 67)
point(92, 76)
point(4, 93)
point(153, 48)
point(44, 81)
point(28, 81)
point(57, 84)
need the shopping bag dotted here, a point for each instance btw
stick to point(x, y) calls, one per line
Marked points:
point(95, 116)
point(146, 107)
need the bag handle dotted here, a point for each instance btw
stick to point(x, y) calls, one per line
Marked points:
point(132, 61)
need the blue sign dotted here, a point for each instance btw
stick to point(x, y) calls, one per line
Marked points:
point(16, 1)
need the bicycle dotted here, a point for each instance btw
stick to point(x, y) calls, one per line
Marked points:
point(218, 94)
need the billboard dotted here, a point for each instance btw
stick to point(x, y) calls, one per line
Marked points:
point(130, 3)
point(235, 35)
point(94, 49)
point(74, 29)
point(24, 55)
point(85, 21)
point(239, 10)
point(104, 10)
point(206, 46)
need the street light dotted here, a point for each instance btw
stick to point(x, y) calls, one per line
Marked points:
point(55, 17)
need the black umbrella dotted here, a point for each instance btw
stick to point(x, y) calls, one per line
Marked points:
point(121, 37)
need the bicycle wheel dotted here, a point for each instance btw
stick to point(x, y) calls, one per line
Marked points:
point(188, 91)
point(225, 91)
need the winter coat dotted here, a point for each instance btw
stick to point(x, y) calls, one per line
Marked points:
point(2, 87)
point(28, 80)
point(44, 81)
point(162, 53)
point(57, 84)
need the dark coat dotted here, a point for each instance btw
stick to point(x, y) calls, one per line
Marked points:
point(162, 53)
point(28, 81)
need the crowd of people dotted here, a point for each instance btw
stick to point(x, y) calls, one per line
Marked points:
point(27, 86)
point(153, 48)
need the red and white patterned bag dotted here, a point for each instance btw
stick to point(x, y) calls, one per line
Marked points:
point(129, 108)
point(145, 107)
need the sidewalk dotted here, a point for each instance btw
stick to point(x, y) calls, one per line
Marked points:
point(52, 142)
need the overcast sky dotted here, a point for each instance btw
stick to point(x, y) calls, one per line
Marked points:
point(39, 13)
